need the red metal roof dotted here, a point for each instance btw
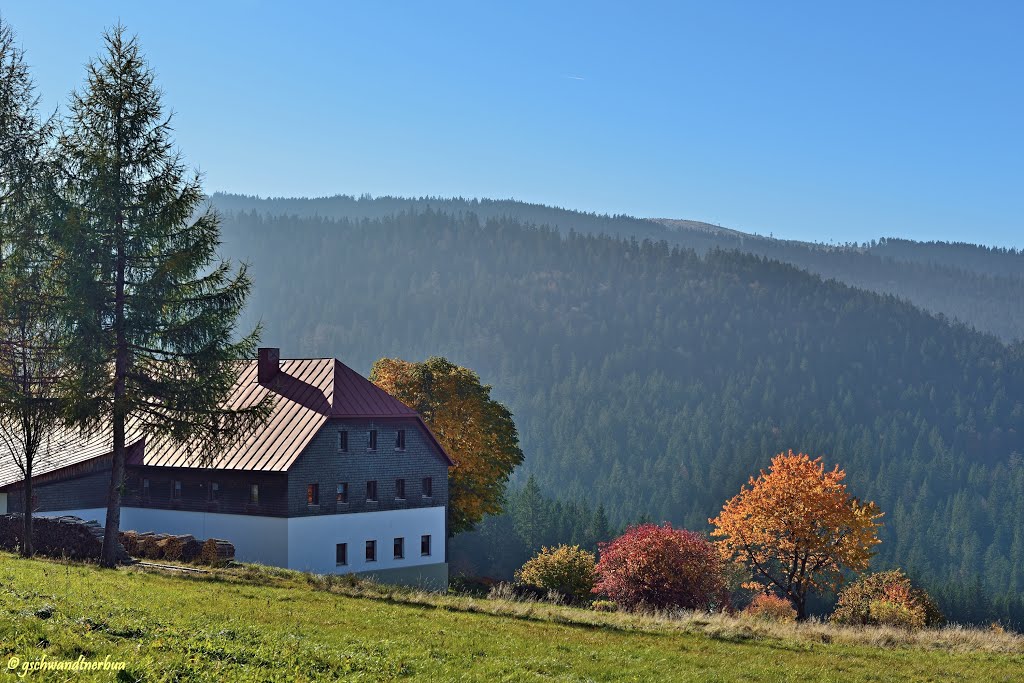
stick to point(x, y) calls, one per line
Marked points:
point(306, 394)
point(356, 396)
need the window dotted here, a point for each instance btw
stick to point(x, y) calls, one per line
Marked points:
point(343, 441)
point(371, 551)
point(399, 548)
point(400, 440)
point(145, 489)
point(254, 494)
point(428, 487)
point(372, 445)
point(214, 491)
point(371, 492)
point(341, 554)
point(342, 492)
point(313, 494)
point(176, 491)
point(425, 545)
point(399, 489)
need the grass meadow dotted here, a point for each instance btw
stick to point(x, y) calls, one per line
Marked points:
point(261, 624)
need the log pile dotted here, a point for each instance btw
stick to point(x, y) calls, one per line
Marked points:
point(217, 552)
point(69, 537)
point(177, 548)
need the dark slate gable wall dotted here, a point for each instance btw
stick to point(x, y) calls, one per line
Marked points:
point(323, 464)
point(85, 491)
point(233, 497)
point(85, 486)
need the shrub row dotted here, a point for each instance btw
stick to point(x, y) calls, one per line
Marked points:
point(660, 567)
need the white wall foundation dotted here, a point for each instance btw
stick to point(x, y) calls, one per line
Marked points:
point(305, 543)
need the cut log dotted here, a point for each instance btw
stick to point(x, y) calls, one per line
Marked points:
point(217, 552)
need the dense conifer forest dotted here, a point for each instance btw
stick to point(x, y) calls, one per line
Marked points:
point(981, 286)
point(649, 380)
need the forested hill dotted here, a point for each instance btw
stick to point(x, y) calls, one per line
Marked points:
point(981, 286)
point(654, 381)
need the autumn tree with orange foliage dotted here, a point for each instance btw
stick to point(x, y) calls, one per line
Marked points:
point(797, 528)
point(477, 431)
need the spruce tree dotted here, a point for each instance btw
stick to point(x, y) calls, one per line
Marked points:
point(152, 309)
point(30, 335)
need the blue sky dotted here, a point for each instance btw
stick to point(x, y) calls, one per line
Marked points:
point(821, 120)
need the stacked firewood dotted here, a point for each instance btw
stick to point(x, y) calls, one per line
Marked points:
point(177, 548)
point(69, 537)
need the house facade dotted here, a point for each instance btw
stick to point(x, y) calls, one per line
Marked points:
point(343, 478)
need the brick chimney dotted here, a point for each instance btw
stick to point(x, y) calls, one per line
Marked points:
point(268, 364)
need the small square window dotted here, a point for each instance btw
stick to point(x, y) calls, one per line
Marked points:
point(343, 441)
point(371, 551)
point(428, 487)
point(145, 489)
point(371, 492)
point(399, 548)
point(254, 494)
point(400, 440)
point(372, 443)
point(176, 491)
point(425, 545)
point(313, 494)
point(342, 492)
point(399, 489)
point(341, 554)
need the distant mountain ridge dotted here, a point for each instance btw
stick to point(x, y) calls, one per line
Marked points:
point(653, 380)
point(980, 286)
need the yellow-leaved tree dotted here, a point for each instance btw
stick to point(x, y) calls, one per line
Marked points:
point(477, 431)
point(797, 528)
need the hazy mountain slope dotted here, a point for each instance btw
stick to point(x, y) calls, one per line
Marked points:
point(654, 381)
point(980, 286)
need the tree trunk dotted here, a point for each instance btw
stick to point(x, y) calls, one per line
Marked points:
point(112, 527)
point(27, 547)
point(800, 602)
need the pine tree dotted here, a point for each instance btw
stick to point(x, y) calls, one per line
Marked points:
point(152, 310)
point(30, 362)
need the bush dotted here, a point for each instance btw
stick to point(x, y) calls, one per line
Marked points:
point(567, 570)
point(660, 567)
point(887, 599)
point(770, 607)
point(889, 613)
point(604, 606)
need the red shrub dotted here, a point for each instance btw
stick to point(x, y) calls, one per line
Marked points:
point(661, 567)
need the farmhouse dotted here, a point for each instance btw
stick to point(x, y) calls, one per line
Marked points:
point(342, 478)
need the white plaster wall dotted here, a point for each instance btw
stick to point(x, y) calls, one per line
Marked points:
point(312, 540)
point(3, 503)
point(256, 539)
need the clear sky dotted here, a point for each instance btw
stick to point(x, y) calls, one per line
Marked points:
point(828, 121)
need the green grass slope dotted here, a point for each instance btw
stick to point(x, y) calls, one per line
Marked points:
point(254, 625)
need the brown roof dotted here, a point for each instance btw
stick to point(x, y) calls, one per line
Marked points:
point(306, 392)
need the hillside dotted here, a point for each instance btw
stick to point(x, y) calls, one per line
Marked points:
point(653, 381)
point(980, 286)
point(255, 625)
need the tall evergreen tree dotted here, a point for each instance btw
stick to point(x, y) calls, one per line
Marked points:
point(30, 361)
point(152, 309)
